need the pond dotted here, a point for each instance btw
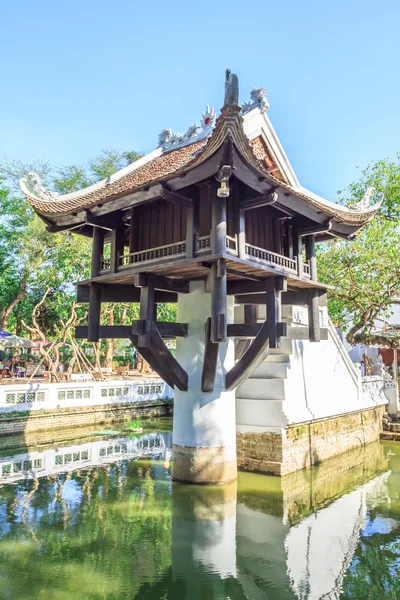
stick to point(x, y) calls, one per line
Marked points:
point(100, 519)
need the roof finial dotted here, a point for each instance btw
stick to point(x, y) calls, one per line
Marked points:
point(258, 100)
point(231, 89)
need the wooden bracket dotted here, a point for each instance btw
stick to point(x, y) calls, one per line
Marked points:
point(160, 359)
point(250, 360)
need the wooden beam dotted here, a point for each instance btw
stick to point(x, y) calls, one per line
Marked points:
point(166, 284)
point(97, 251)
point(258, 201)
point(250, 360)
point(123, 293)
point(175, 198)
point(243, 330)
point(109, 223)
point(210, 361)
point(94, 314)
point(317, 228)
point(166, 329)
point(244, 275)
point(218, 302)
point(51, 228)
point(234, 288)
point(299, 298)
point(250, 330)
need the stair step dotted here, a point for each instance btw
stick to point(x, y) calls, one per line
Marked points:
point(262, 389)
point(265, 414)
point(277, 358)
point(271, 370)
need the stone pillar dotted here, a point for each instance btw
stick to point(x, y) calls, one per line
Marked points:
point(204, 433)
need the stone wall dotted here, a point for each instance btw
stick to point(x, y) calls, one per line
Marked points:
point(301, 446)
point(82, 416)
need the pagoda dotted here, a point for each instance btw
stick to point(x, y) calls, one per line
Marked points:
point(216, 221)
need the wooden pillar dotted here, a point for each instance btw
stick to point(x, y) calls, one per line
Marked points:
point(241, 235)
point(146, 315)
point(250, 313)
point(273, 306)
point(94, 313)
point(97, 251)
point(288, 241)
point(298, 249)
point(218, 224)
point(117, 244)
point(311, 256)
point(277, 236)
point(192, 228)
point(133, 231)
point(218, 302)
point(313, 298)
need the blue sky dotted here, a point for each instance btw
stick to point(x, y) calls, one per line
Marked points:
point(83, 75)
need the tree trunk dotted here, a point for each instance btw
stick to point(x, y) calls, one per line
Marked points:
point(97, 356)
point(110, 343)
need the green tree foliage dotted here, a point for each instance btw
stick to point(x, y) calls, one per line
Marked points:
point(33, 260)
point(365, 272)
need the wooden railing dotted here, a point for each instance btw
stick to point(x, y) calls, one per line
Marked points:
point(152, 254)
point(306, 269)
point(231, 245)
point(105, 264)
point(266, 256)
point(203, 244)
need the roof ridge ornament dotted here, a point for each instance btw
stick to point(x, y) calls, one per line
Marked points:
point(231, 89)
point(363, 204)
point(194, 133)
point(38, 188)
point(258, 99)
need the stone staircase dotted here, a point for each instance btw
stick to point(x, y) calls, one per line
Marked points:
point(260, 399)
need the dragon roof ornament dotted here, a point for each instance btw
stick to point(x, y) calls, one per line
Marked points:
point(172, 141)
point(37, 187)
point(258, 99)
point(363, 204)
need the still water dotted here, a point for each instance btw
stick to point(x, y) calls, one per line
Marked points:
point(99, 518)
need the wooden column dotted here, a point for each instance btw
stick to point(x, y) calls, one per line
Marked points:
point(313, 301)
point(277, 237)
point(241, 236)
point(146, 315)
point(298, 249)
point(288, 241)
point(94, 313)
point(117, 244)
point(218, 224)
point(311, 256)
point(273, 288)
point(97, 251)
point(218, 302)
point(192, 228)
point(133, 231)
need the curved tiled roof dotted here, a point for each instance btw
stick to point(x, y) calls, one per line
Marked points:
point(157, 167)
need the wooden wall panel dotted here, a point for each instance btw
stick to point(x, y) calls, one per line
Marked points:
point(158, 224)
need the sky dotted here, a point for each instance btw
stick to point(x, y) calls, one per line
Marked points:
point(81, 76)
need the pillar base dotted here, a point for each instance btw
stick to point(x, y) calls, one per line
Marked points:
point(204, 465)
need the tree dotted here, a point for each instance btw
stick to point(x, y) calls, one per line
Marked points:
point(33, 260)
point(365, 272)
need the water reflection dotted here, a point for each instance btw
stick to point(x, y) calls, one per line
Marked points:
point(102, 520)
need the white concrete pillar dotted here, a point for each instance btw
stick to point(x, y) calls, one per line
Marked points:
point(204, 432)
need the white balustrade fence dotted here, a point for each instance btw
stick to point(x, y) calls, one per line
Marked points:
point(37, 396)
